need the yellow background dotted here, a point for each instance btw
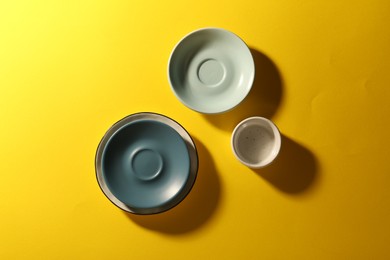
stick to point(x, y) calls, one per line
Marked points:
point(70, 69)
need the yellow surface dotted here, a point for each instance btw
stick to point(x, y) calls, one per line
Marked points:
point(70, 69)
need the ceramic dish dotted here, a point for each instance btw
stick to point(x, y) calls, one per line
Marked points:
point(146, 163)
point(256, 142)
point(211, 70)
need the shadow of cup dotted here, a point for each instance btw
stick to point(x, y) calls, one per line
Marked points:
point(196, 209)
point(294, 170)
point(263, 99)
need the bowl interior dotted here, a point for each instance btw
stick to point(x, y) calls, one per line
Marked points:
point(256, 142)
point(211, 70)
point(146, 164)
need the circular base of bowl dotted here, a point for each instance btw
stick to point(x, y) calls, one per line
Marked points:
point(211, 70)
point(146, 163)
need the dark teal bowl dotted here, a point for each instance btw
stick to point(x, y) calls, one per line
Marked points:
point(146, 163)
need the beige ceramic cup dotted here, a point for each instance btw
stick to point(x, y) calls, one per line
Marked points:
point(256, 142)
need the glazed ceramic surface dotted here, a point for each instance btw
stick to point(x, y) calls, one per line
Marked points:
point(256, 142)
point(146, 163)
point(211, 70)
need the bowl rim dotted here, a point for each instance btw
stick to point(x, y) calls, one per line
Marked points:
point(192, 152)
point(277, 143)
point(211, 29)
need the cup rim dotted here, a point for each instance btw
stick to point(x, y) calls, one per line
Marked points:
point(276, 145)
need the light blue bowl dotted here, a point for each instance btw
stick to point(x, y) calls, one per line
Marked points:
point(146, 163)
point(211, 70)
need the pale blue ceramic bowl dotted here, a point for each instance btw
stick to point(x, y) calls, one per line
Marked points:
point(211, 70)
point(146, 163)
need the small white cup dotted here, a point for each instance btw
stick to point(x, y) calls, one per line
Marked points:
point(256, 142)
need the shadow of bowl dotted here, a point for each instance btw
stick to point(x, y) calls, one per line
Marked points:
point(196, 209)
point(263, 99)
point(295, 169)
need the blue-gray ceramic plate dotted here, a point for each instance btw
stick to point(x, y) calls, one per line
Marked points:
point(146, 163)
